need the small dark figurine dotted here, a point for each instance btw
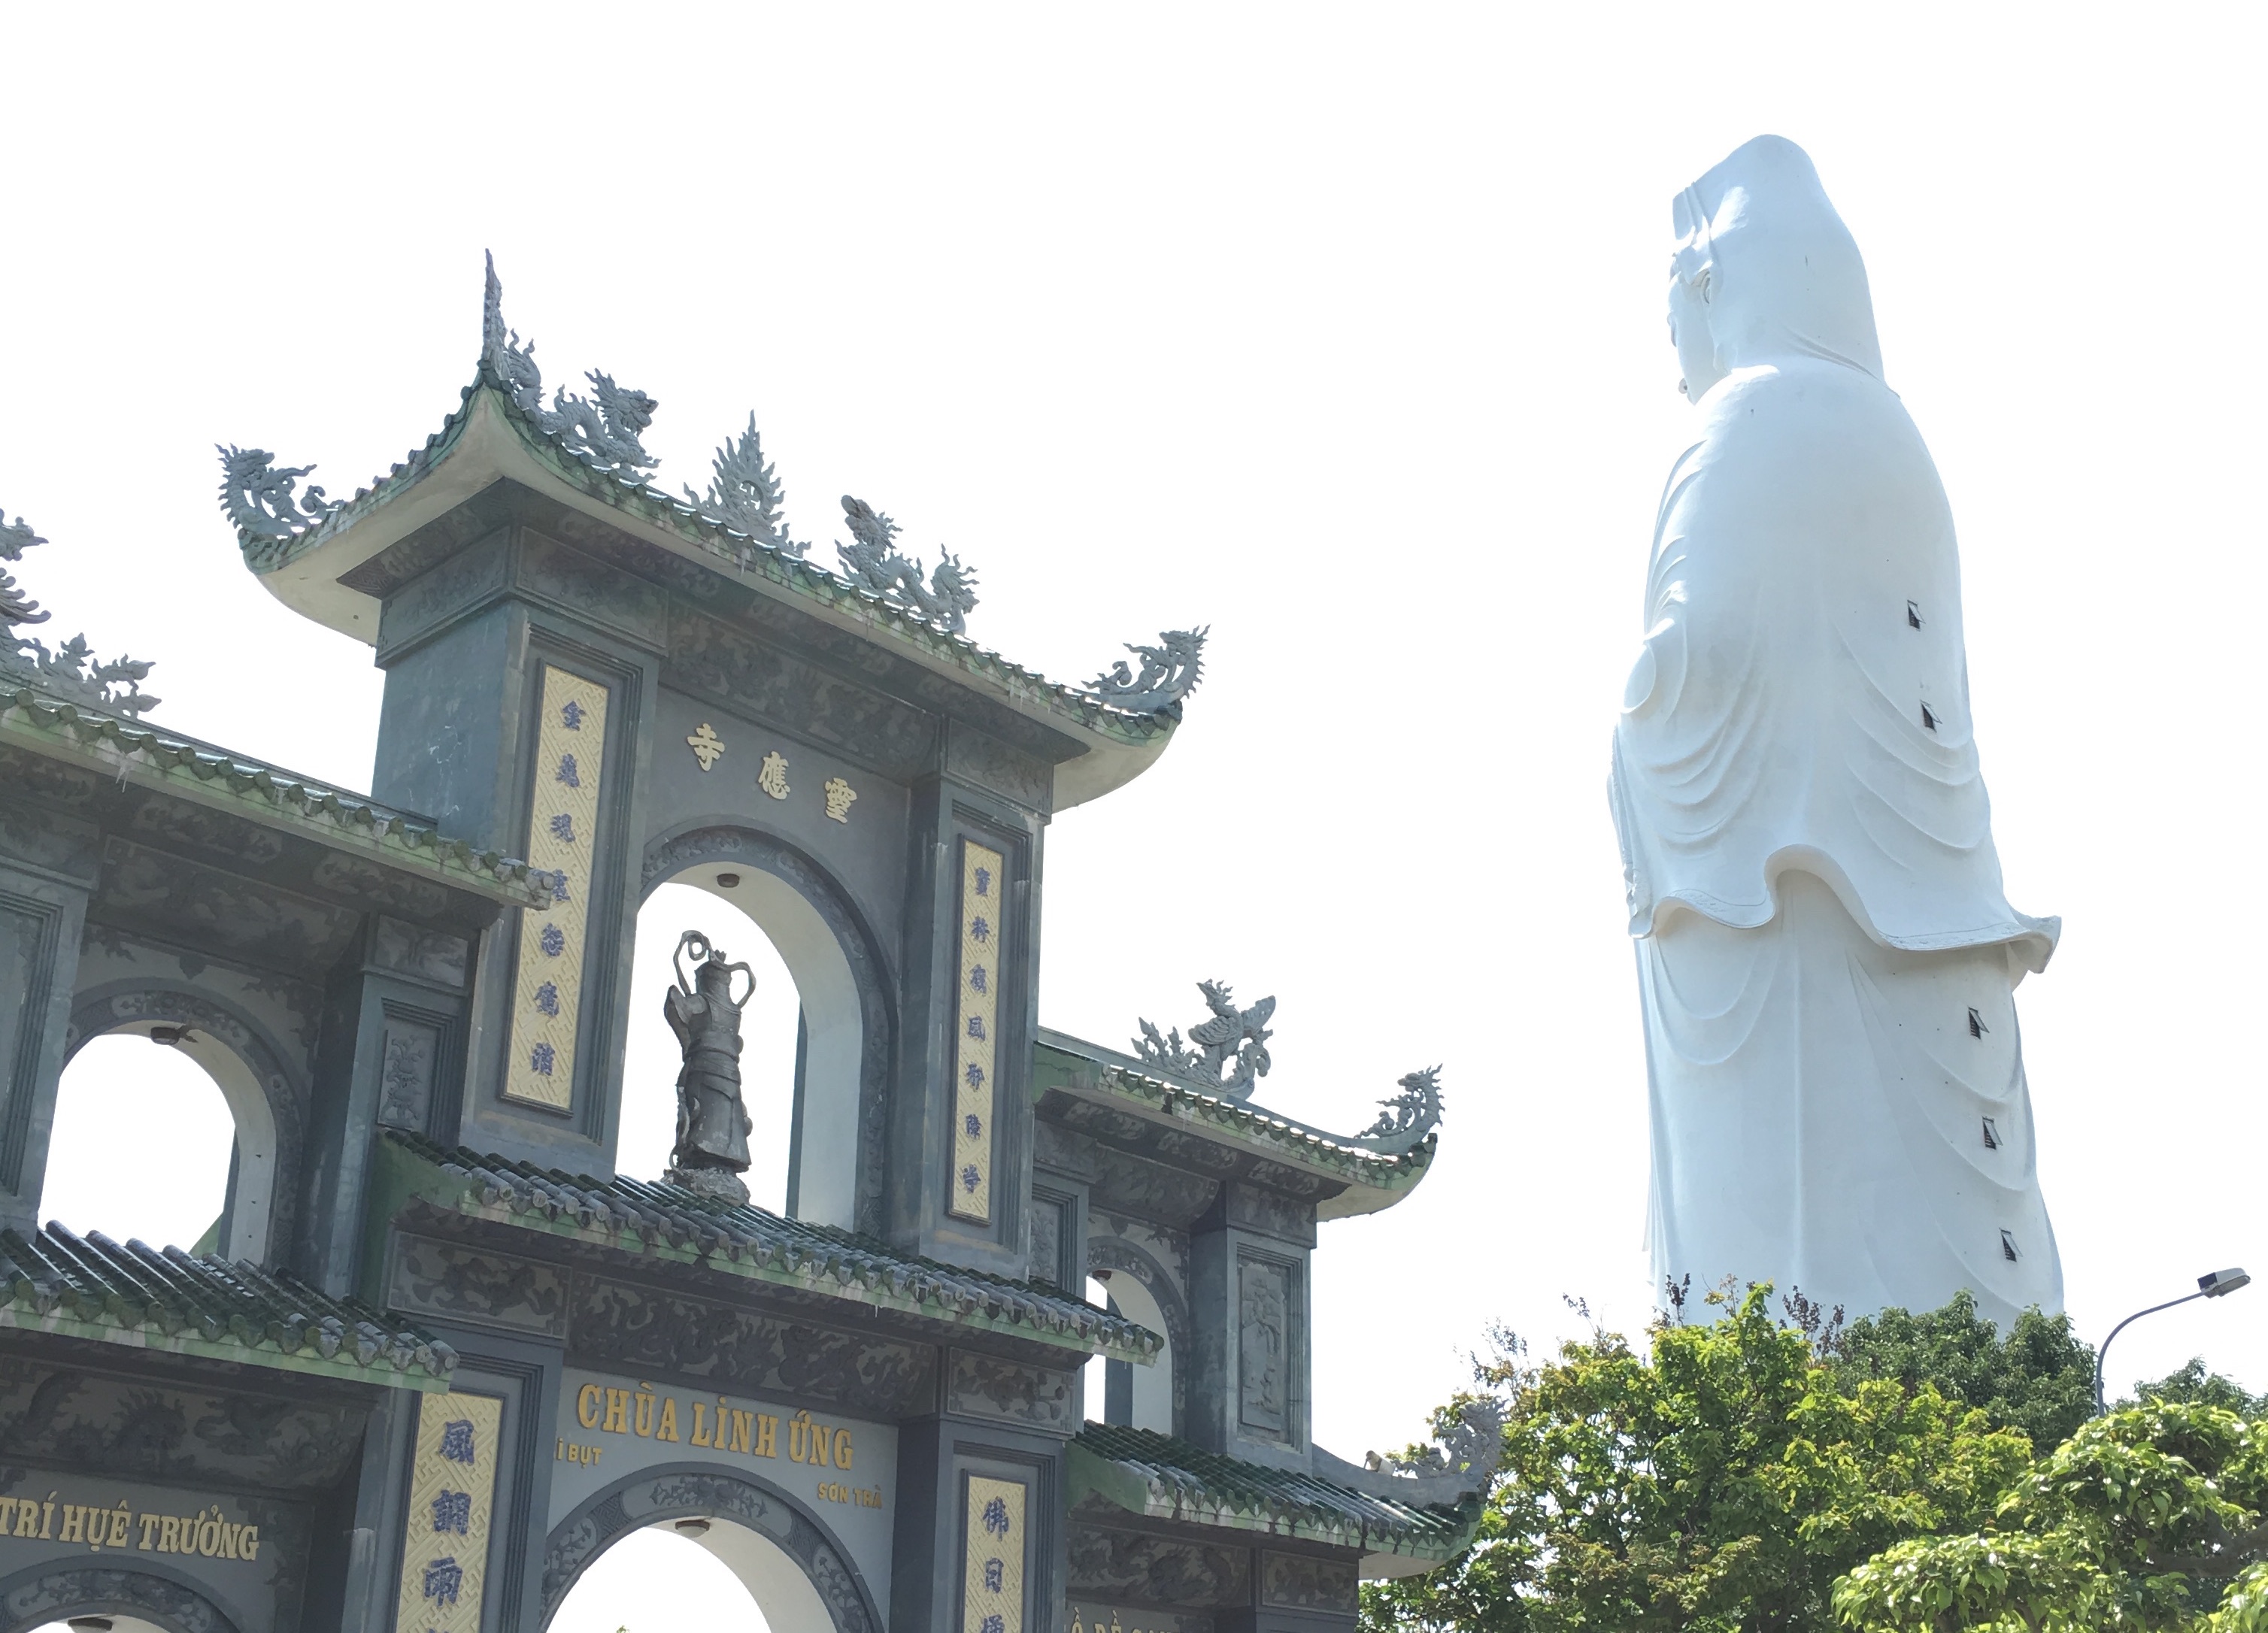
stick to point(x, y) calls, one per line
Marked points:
point(712, 1124)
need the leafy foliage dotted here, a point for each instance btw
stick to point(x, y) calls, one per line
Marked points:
point(1722, 1482)
point(2148, 1518)
point(2039, 1379)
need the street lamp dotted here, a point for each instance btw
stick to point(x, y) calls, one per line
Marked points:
point(2211, 1284)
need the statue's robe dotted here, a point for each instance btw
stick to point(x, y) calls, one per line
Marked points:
point(712, 1123)
point(1826, 960)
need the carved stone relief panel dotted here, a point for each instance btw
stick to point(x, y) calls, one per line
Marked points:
point(987, 1387)
point(592, 589)
point(223, 912)
point(366, 883)
point(409, 1061)
point(1264, 1337)
point(95, 1423)
point(631, 1329)
point(1053, 1146)
point(1146, 1569)
point(1130, 1184)
point(217, 832)
point(47, 839)
point(1308, 1582)
point(1047, 1257)
point(477, 1285)
point(757, 678)
point(1254, 1209)
point(974, 757)
point(431, 955)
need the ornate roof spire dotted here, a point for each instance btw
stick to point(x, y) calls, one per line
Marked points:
point(71, 671)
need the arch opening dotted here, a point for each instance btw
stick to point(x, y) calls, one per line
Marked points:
point(695, 1574)
point(838, 1033)
point(1140, 1397)
point(162, 1131)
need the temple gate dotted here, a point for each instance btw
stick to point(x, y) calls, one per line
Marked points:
point(439, 1354)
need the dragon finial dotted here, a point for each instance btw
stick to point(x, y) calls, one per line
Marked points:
point(873, 562)
point(1471, 1447)
point(604, 429)
point(1409, 1117)
point(71, 671)
point(1169, 672)
point(1231, 1052)
point(260, 498)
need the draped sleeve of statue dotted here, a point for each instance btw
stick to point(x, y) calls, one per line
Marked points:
point(1801, 696)
point(1826, 962)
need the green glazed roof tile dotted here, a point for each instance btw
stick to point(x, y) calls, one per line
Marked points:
point(91, 1287)
point(669, 1223)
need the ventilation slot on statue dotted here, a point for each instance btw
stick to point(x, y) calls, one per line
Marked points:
point(1992, 1136)
point(2007, 1247)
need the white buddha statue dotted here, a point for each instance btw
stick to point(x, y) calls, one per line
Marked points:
point(1826, 960)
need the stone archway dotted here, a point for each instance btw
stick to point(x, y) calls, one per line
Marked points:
point(38, 1597)
point(1121, 1257)
point(844, 983)
point(776, 1529)
point(248, 1066)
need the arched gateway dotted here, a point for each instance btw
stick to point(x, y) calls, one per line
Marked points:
point(449, 1354)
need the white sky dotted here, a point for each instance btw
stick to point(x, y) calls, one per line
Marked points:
point(1340, 330)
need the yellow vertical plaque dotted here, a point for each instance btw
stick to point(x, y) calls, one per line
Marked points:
point(975, 1030)
point(445, 1552)
point(992, 1574)
point(562, 833)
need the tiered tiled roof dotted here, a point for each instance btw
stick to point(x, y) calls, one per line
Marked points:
point(147, 757)
point(91, 1287)
point(1158, 1478)
point(1374, 1179)
point(669, 1223)
point(731, 551)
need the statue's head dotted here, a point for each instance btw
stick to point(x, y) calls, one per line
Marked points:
point(1765, 269)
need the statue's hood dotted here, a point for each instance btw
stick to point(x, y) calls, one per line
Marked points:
point(1784, 277)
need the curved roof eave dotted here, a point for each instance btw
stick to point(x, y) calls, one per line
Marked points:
point(486, 442)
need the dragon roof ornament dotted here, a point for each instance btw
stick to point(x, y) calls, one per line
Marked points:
point(874, 561)
point(70, 673)
point(1460, 1466)
point(606, 428)
point(261, 499)
point(1169, 672)
point(1409, 1117)
point(1226, 1053)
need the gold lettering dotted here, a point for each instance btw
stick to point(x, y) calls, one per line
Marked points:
point(587, 1405)
point(121, 1518)
point(667, 1429)
point(767, 1435)
point(74, 1524)
point(700, 1424)
point(169, 1534)
point(7, 1514)
point(209, 1533)
point(618, 1412)
point(47, 1518)
point(798, 1438)
point(645, 1417)
point(250, 1545)
point(842, 1448)
point(149, 1525)
point(229, 1536)
point(27, 1518)
point(740, 1421)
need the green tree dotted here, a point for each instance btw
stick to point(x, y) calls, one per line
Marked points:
point(2150, 1518)
point(1721, 1482)
point(2040, 1378)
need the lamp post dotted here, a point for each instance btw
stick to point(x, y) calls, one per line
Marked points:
point(2212, 1284)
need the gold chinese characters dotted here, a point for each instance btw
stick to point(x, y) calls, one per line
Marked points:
point(771, 777)
point(707, 746)
point(839, 796)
